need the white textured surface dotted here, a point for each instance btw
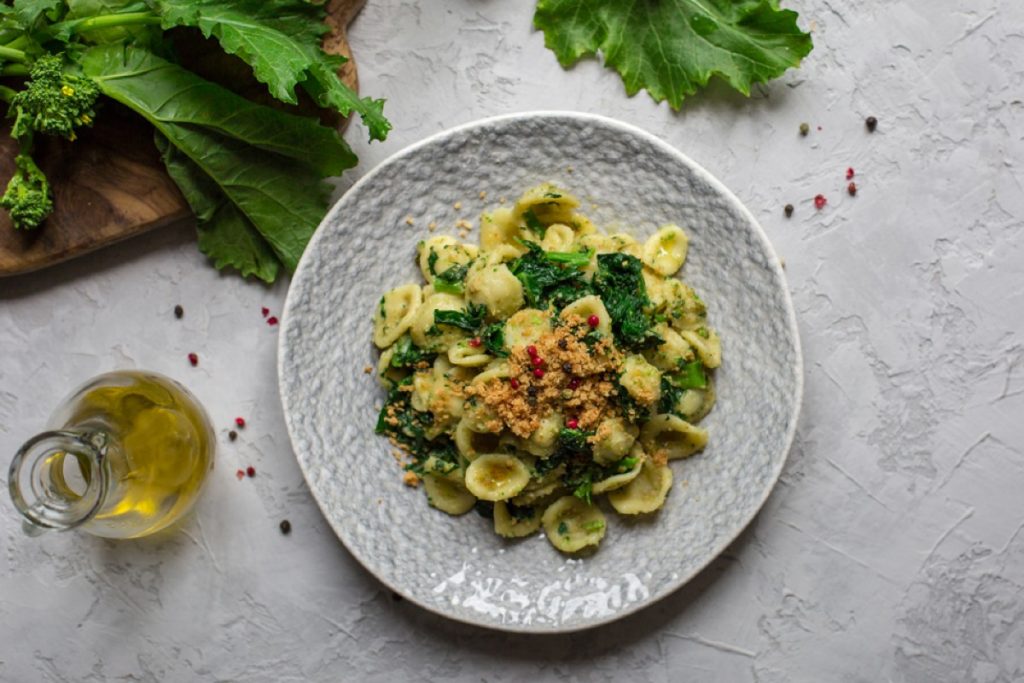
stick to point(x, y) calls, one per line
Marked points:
point(627, 180)
point(892, 549)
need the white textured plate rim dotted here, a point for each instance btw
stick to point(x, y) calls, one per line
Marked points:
point(710, 180)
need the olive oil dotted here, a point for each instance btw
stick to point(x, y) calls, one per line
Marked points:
point(132, 447)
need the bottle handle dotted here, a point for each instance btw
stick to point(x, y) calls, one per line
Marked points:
point(57, 480)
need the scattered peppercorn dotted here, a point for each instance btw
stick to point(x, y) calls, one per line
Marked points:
point(265, 311)
point(286, 527)
point(537, 361)
point(272, 320)
point(572, 423)
point(849, 173)
point(475, 342)
point(179, 312)
point(538, 373)
point(593, 321)
point(240, 474)
point(567, 367)
point(513, 382)
point(251, 471)
point(232, 435)
point(532, 351)
point(871, 122)
point(804, 129)
point(852, 189)
point(240, 421)
point(563, 343)
point(531, 390)
point(788, 210)
point(574, 383)
point(193, 359)
point(820, 201)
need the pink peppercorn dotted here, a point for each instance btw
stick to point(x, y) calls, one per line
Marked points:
point(251, 471)
point(820, 201)
point(240, 421)
point(537, 361)
point(574, 383)
point(265, 311)
point(272, 320)
point(193, 359)
point(572, 423)
point(532, 350)
point(593, 321)
point(474, 342)
point(849, 174)
point(513, 382)
point(538, 372)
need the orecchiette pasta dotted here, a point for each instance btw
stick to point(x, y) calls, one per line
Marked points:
point(551, 365)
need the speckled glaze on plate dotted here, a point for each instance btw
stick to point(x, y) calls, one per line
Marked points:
point(456, 566)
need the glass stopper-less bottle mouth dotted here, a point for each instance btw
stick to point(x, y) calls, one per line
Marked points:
point(56, 479)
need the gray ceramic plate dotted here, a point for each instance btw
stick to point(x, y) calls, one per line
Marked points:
point(458, 567)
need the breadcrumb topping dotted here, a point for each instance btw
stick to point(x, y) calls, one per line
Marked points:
point(578, 380)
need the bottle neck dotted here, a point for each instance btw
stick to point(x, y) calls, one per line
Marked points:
point(58, 479)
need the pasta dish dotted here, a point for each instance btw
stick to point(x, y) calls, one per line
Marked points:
point(544, 368)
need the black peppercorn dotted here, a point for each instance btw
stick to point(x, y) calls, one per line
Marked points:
point(804, 129)
point(232, 435)
point(871, 122)
point(179, 312)
point(286, 527)
point(788, 209)
point(563, 343)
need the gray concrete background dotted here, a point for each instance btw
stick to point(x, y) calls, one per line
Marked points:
point(891, 549)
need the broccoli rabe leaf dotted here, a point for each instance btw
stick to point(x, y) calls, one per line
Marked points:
point(620, 284)
point(279, 39)
point(470, 320)
point(451, 280)
point(224, 233)
point(283, 197)
point(673, 47)
point(493, 338)
point(407, 354)
point(550, 282)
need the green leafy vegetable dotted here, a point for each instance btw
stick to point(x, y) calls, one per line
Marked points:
point(407, 354)
point(251, 173)
point(470, 320)
point(280, 40)
point(451, 280)
point(690, 376)
point(493, 338)
point(549, 282)
point(534, 224)
point(620, 284)
point(576, 259)
point(673, 47)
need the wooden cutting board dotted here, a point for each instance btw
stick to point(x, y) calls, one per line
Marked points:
point(110, 183)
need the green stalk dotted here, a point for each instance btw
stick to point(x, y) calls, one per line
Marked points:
point(14, 70)
point(12, 55)
point(18, 43)
point(7, 93)
point(109, 21)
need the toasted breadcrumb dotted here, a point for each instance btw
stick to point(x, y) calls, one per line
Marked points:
point(432, 226)
point(409, 220)
point(483, 194)
point(457, 206)
point(594, 369)
point(368, 369)
point(411, 479)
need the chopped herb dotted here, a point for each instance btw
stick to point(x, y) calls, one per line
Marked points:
point(563, 529)
point(626, 464)
point(593, 525)
point(703, 332)
point(432, 262)
point(552, 195)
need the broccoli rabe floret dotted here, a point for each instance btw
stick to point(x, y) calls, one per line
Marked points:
point(27, 198)
point(53, 102)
